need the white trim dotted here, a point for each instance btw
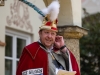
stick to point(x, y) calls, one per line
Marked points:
point(10, 58)
point(14, 55)
point(20, 35)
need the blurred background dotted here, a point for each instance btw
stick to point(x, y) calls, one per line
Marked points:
point(90, 44)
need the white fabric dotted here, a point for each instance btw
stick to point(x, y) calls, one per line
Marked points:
point(70, 63)
point(36, 71)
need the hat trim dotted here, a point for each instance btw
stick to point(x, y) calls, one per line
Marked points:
point(49, 28)
point(45, 27)
point(53, 28)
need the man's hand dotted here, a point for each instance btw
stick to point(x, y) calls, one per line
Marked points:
point(59, 42)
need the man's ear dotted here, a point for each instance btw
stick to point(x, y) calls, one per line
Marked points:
point(40, 31)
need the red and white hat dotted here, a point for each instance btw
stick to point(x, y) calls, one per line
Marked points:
point(50, 20)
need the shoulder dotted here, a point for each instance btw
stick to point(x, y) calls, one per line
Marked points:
point(33, 45)
point(32, 48)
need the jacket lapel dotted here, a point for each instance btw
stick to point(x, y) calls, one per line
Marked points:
point(59, 58)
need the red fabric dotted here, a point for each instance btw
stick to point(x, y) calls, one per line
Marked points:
point(74, 64)
point(28, 59)
point(53, 28)
point(33, 56)
point(48, 23)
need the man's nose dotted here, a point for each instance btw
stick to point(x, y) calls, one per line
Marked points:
point(49, 35)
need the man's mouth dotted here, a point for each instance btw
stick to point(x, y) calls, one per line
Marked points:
point(48, 40)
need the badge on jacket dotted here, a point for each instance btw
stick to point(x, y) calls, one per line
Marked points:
point(36, 71)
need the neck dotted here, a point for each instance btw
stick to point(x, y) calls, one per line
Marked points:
point(49, 48)
point(46, 47)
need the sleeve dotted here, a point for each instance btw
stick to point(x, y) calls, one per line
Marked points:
point(66, 58)
point(24, 62)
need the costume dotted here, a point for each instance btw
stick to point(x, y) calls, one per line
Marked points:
point(34, 57)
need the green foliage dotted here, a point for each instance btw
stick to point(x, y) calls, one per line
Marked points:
point(90, 46)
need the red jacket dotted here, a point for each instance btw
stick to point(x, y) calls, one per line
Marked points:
point(33, 56)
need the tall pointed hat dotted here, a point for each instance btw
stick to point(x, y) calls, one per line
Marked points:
point(51, 14)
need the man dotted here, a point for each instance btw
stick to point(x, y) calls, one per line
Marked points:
point(49, 54)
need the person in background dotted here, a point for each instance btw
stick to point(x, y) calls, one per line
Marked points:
point(49, 54)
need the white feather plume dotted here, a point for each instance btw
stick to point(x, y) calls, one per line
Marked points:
point(52, 9)
point(45, 11)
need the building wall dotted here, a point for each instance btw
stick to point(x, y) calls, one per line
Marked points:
point(76, 7)
point(2, 39)
point(23, 17)
point(70, 13)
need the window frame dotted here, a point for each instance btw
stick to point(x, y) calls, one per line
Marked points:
point(15, 35)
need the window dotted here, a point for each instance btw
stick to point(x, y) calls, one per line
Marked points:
point(15, 43)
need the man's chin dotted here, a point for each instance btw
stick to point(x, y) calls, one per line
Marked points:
point(48, 45)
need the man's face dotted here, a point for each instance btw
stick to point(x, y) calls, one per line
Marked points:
point(47, 37)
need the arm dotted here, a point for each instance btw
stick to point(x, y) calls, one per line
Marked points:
point(73, 66)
